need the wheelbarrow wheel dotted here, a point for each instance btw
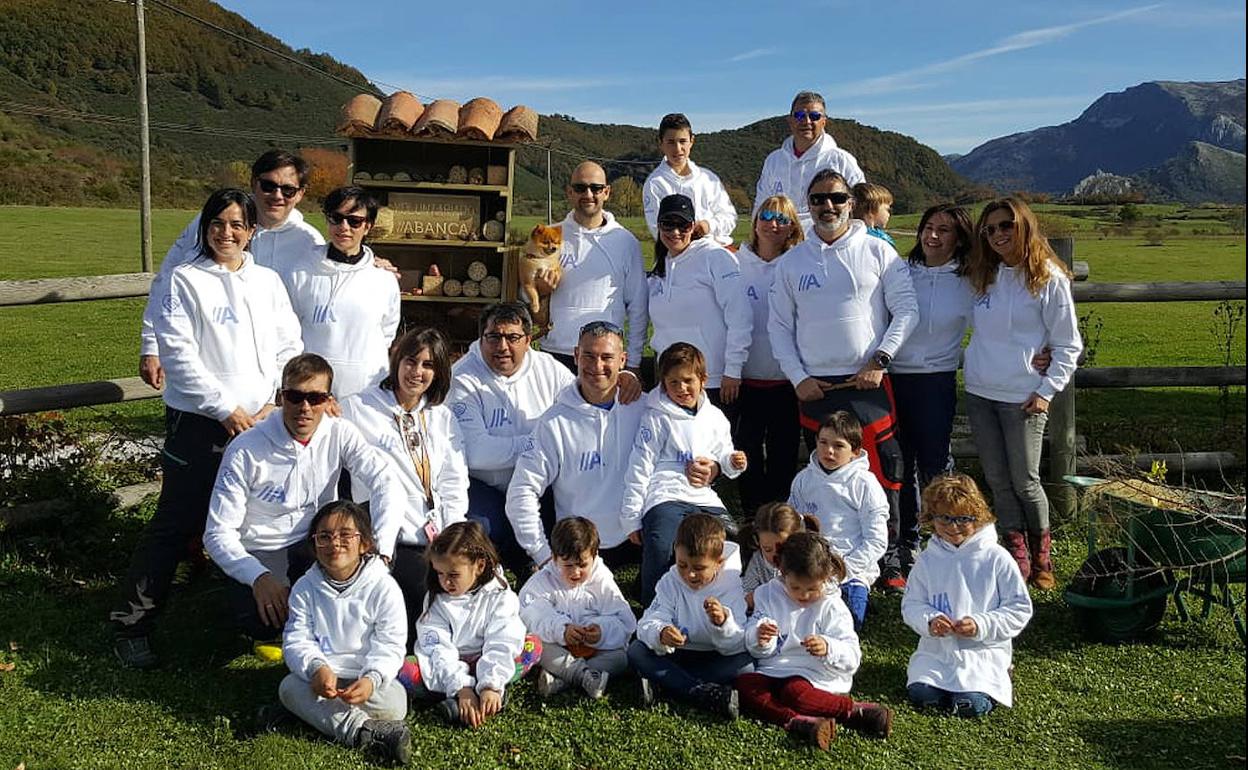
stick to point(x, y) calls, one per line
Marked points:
point(1105, 575)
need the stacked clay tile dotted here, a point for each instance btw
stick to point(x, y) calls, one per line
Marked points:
point(402, 114)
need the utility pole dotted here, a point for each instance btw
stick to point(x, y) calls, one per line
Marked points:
point(145, 153)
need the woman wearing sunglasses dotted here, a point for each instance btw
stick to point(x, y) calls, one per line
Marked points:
point(406, 418)
point(1022, 303)
point(696, 297)
point(765, 429)
point(225, 329)
point(348, 310)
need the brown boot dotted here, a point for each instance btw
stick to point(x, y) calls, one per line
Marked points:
point(870, 719)
point(816, 731)
point(1016, 544)
point(1041, 561)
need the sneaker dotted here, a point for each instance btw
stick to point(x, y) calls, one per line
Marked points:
point(548, 684)
point(871, 719)
point(649, 692)
point(594, 683)
point(135, 652)
point(271, 717)
point(387, 737)
point(449, 709)
point(269, 650)
point(894, 584)
point(720, 699)
point(814, 730)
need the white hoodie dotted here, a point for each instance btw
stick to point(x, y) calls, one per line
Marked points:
point(669, 439)
point(676, 604)
point(270, 486)
point(786, 174)
point(496, 414)
point(977, 579)
point(834, 305)
point(356, 631)
point(700, 185)
point(604, 279)
point(852, 511)
point(581, 451)
point(294, 236)
point(348, 314)
point(484, 622)
point(944, 300)
point(1011, 326)
point(548, 604)
point(757, 275)
point(224, 337)
point(376, 414)
point(784, 656)
point(700, 300)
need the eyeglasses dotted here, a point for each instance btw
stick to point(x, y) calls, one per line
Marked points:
point(583, 187)
point(835, 198)
point(675, 225)
point(313, 397)
point(344, 536)
point(335, 219)
point(767, 215)
point(954, 521)
point(495, 338)
point(601, 326)
point(1006, 226)
point(269, 186)
point(814, 115)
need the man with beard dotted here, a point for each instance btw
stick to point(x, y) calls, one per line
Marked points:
point(841, 305)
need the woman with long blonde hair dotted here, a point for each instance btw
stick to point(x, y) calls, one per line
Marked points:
point(1023, 303)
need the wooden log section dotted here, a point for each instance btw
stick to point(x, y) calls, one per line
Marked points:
point(1172, 291)
point(1159, 376)
point(45, 290)
point(75, 394)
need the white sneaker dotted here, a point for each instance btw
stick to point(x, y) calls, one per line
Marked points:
point(594, 682)
point(548, 684)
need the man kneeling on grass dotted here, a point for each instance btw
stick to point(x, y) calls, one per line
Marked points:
point(272, 481)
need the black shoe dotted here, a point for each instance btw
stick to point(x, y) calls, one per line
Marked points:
point(449, 709)
point(719, 699)
point(649, 692)
point(135, 652)
point(272, 717)
point(387, 737)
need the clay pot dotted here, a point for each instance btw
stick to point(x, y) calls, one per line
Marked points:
point(399, 112)
point(478, 119)
point(359, 115)
point(518, 125)
point(440, 118)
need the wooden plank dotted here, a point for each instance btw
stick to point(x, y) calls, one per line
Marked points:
point(1171, 291)
point(1159, 376)
point(75, 394)
point(1081, 270)
point(46, 290)
point(1176, 462)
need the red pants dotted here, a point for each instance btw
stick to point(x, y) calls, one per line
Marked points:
point(779, 700)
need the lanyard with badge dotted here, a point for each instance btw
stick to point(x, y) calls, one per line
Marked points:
point(417, 443)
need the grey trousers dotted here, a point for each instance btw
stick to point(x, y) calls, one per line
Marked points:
point(336, 719)
point(1009, 442)
point(557, 660)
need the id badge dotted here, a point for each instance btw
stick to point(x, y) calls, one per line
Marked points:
point(431, 531)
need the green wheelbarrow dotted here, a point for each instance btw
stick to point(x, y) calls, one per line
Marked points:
point(1172, 542)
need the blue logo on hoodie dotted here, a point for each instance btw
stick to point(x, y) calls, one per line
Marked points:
point(808, 281)
point(324, 314)
point(224, 315)
point(940, 602)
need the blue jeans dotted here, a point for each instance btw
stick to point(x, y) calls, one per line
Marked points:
point(962, 704)
point(1009, 441)
point(658, 533)
point(855, 597)
point(488, 507)
point(683, 670)
point(925, 407)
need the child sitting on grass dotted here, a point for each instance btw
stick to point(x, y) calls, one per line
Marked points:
point(344, 639)
point(807, 651)
point(873, 204)
point(838, 488)
point(967, 600)
point(574, 606)
point(772, 525)
point(690, 644)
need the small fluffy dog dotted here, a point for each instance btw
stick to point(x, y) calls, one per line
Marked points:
point(541, 253)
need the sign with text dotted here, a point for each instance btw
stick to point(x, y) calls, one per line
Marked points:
point(422, 216)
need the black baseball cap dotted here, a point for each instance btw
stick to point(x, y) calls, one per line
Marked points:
point(676, 206)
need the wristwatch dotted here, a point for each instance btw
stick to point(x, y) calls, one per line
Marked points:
point(882, 359)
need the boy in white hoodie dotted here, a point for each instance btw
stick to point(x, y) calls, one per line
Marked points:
point(838, 488)
point(715, 214)
point(690, 643)
point(574, 606)
point(966, 599)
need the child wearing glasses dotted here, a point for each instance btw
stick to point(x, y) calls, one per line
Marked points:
point(343, 641)
point(873, 204)
point(677, 173)
point(966, 600)
point(838, 488)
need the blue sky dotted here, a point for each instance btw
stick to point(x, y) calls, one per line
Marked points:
point(951, 74)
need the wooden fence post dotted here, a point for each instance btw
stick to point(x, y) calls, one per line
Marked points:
point(1062, 423)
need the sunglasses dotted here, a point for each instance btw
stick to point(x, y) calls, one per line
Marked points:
point(814, 115)
point(954, 521)
point(835, 198)
point(583, 187)
point(675, 225)
point(495, 338)
point(335, 219)
point(270, 187)
point(1006, 226)
point(296, 397)
point(601, 326)
point(767, 215)
point(343, 536)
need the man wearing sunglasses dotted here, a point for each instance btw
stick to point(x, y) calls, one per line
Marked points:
point(789, 170)
point(842, 303)
point(603, 275)
point(278, 180)
point(273, 479)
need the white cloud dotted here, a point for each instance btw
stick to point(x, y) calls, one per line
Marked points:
point(753, 54)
